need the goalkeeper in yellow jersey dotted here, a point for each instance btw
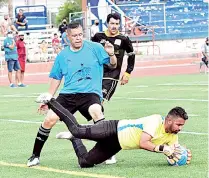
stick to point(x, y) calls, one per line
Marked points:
point(153, 133)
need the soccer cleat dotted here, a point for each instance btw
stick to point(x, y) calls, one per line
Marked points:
point(64, 135)
point(111, 160)
point(22, 85)
point(33, 161)
point(12, 85)
point(44, 98)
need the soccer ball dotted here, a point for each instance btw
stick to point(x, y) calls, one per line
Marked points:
point(183, 160)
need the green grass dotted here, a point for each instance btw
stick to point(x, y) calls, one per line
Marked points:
point(17, 138)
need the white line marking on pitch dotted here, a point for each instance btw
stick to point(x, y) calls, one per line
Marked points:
point(48, 169)
point(183, 84)
point(18, 96)
point(38, 122)
point(142, 86)
point(162, 99)
point(162, 66)
point(168, 89)
point(193, 133)
point(193, 115)
point(190, 82)
point(21, 121)
point(30, 74)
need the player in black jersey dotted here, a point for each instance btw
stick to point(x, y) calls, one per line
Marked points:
point(121, 44)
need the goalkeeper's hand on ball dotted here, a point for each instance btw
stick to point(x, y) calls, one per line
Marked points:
point(173, 153)
point(189, 153)
point(179, 151)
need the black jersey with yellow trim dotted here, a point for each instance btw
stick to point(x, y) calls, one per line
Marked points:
point(121, 45)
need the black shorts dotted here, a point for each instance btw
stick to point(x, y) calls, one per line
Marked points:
point(106, 135)
point(205, 61)
point(79, 102)
point(108, 88)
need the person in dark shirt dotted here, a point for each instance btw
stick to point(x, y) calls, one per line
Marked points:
point(63, 26)
point(21, 20)
point(121, 45)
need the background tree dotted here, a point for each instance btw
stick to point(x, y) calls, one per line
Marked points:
point(69, 6)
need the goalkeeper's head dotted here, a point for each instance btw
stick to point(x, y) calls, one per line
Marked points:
point(175, 120)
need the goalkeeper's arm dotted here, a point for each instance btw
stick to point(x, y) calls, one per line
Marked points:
point(145, 143)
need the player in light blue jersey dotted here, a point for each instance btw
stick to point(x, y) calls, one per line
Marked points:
point(11, 58)
point(81, 66)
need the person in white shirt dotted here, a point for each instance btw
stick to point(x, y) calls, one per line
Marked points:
point(205, 51)
point(95, 28)
point(6, 25)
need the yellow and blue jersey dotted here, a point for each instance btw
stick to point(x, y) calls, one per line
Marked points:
point(129, 132)
point(82, 70)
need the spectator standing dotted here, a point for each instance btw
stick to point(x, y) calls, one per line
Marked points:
point(21, 51)
point(205, 51)
point(63, 27)
point(95, 27)
point(12, 59)
point(65, 40)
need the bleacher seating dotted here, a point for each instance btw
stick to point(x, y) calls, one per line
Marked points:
point(183, 19)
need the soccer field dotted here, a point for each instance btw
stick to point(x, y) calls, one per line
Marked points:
point(19, 123)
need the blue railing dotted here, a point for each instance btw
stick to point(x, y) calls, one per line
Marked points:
point(181, 18)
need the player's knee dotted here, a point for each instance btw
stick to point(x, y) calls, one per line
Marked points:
point(84, 164)
point(50, 120)
point(95, 110)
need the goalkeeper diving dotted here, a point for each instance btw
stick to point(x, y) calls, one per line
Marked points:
point(153, 133)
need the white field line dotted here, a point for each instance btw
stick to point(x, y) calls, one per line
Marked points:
point(193, 115)
point(38, 122)
point(124, 98)
point(30, 74)
point(190, 82)
point(18, 96)
point(143, 67)
point(169, 89)
point(48, 169)
point(141, 86)
point(201, 83)
point(185, 84)
point(162, 66)
point(21, 121)
point(162, 99)
point(193, 133)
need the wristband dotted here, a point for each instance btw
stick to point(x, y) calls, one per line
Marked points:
point(127, 74)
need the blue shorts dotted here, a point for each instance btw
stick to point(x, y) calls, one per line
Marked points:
point(13, 65)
